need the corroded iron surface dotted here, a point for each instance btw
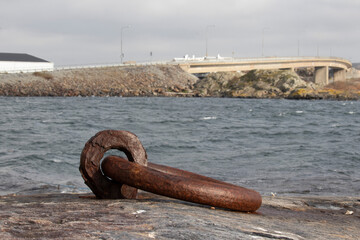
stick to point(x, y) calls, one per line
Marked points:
point(181, 185)
point(94, 151)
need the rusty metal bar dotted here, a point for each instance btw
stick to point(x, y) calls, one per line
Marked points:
point(181, 185)
point(183, 173)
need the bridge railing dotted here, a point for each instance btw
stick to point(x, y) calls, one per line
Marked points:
point(74, 67)
point(256, 59)
point(110, 65)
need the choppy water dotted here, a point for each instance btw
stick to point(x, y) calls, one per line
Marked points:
point(272, 146)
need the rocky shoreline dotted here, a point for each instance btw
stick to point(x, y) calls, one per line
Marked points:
point(72, 216)
point(171, 81)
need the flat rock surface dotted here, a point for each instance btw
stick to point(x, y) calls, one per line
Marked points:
point(73, 216)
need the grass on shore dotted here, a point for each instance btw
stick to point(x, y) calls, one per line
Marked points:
point(45, 75)
point(353, 85)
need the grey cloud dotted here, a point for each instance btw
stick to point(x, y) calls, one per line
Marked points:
point(88, 31)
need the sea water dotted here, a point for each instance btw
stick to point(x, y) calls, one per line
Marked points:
point(278, 147)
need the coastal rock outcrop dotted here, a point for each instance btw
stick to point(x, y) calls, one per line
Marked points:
point(171, 81)
point(74, 216)
point(254, 84)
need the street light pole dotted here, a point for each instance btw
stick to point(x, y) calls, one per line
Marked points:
point(317, 50)
point(298, 48)
point(122, 54)
point(207, 33)
point(262, 43)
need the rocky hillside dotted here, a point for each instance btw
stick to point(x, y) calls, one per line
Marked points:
point(273, 84)
point(163, 80)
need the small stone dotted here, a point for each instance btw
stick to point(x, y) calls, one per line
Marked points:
point(348, 212)
point(139, 211)
point(40, 222)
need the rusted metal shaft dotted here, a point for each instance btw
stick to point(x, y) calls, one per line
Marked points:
point(183, 173)
point(181, 185)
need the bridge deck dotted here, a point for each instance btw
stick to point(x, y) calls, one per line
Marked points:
point(233, 64)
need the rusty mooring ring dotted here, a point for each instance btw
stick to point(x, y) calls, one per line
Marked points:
point(94, 151)
point(155, 178)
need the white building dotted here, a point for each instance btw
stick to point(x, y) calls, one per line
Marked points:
point(21, 62)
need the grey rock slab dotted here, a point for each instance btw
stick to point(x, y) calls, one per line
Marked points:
point(74, 216)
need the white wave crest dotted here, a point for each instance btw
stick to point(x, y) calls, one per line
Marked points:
point(209, 118)
point(55, 160)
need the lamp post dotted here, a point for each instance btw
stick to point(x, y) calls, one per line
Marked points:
point(122, 54)
point(207, 30)
point(298, 45)
point(262, 43)
point(317, 50)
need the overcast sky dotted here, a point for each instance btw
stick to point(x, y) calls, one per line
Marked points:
point(69, 32)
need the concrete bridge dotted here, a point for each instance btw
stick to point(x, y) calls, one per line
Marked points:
point(322, 65)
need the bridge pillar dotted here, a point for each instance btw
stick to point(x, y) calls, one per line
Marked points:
point(339, 75)
point(322, 75)
point(185, 66)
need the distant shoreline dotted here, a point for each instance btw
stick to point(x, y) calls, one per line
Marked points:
point(163, 81)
